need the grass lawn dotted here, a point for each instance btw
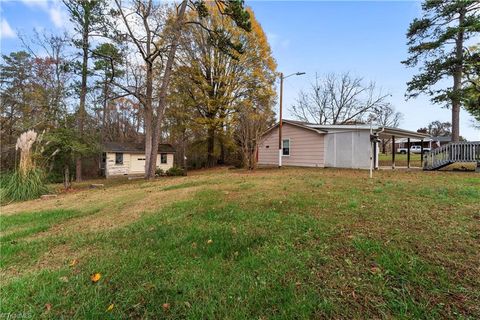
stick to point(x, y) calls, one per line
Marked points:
point(400, 160)
point(229, 244)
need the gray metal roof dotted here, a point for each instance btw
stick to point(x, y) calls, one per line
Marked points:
point(128, 147)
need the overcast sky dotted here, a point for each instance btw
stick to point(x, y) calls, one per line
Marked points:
point(364, 38)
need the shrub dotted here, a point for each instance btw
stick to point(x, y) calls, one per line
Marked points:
point(159, 172)
point(54, 177)
point(175, 171)
point(29, 185)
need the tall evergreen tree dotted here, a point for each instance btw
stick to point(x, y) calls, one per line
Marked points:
point(88, 17)
point(437, 42)
point(108, 61)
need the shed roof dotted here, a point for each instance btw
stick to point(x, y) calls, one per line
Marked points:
point(128, 147)
point(299, 124)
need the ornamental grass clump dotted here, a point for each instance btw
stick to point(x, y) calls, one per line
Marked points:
point(27, 182)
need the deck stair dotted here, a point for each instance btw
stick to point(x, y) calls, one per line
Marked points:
point(451, 153)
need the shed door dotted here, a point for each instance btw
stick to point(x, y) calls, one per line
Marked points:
point(137, 163)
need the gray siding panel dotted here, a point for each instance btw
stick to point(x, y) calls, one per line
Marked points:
point(348, 149)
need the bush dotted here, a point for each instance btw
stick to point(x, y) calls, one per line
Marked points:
point(30, 186)
point(55, 177)
point(159, 172)
point(175, 171)
point(4, 178)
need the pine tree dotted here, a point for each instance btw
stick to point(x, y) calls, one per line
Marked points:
point(437, 43)
point(88, 17)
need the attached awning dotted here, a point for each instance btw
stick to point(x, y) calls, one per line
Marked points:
point(388, 132)
point(401, 134)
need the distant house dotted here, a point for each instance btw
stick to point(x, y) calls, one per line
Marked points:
point(338, 146)
point(121, 159)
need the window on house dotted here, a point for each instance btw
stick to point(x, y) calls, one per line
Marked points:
point(163, 158)
point(286, 147)
point(118, 158)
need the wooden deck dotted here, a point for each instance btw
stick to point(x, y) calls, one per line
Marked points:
point(465, 152)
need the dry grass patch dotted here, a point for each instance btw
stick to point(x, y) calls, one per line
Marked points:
point(289, 243)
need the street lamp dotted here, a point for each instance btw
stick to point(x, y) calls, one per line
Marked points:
point(280, 151)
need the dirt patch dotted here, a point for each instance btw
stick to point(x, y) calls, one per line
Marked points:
point(54, 258)
point(118, 214)
point(81, 198)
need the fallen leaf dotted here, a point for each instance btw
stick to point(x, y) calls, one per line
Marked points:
point(210, 241)
point(166, 306)
point(63, 279)
point(74, 263)
point(375, 270)
point(95, 277)
point(48, 306)
point(110, 307)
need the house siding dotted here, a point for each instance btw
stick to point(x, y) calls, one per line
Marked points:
point(130, 164)
point(306, 147)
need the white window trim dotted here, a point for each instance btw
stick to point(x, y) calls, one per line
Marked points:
point(289, 148)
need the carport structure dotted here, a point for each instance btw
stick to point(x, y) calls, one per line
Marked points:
point(395, 133)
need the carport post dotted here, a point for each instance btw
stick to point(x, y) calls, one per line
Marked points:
point(421, 153)
point(393, 152)
point(408, 152)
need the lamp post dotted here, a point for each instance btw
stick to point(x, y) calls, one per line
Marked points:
point(280, 151)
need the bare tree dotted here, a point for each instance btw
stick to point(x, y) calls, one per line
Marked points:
point(156, 36)
point(438, 129)
point(251, 123)
point(142, 23)
point(385, 116)
point(339, 99)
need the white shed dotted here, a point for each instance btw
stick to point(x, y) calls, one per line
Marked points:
point(123, 159)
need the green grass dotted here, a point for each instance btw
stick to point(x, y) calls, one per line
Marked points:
point(289, 244)
point(385, 160)
point(400, 160)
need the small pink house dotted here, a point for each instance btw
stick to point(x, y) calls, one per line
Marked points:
point(302, 146)
point(338, 146)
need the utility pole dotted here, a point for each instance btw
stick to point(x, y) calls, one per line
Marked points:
point(280, 121)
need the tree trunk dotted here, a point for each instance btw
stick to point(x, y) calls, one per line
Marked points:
point(162, 95)
point(66, 177)
point(83, 93)
point(211, 147)
point(457, 79)
point(148, 119)
point(105, 109)
point(184, 153)
point(222, 149)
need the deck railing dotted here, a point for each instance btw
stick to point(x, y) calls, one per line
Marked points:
point(450, 153)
